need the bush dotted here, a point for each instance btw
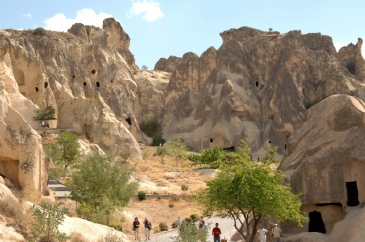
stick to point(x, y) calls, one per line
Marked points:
point(163, 226)
point(158, 197)
point(171, 205)
point(117, 227)
point(141, 195)
point(40, 31)
point(150, 126)
point(175, 198)
point(77, 237)
point(112, 236)
point(184, 187)
point(194, 217)
point(157, 141)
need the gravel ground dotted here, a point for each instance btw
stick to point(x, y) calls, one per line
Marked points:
point(225, 224)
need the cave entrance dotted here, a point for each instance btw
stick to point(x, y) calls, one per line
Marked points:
point(316, 223)
point(97, 84)
point(84, 130)
point(129, 121)
point(352, 194)
point(229, 149)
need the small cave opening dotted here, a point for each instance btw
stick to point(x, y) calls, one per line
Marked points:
point(93, 72)
point(257, 84)
point(73, 77)
point(84, 84)
point(111, 81)
point(9, 168)
point(316, 223)
point(36, 89)
point(285, 147)
point(129, 121)
point(229, 149)
point(97, 84)
point(352, 194)
point(211, 140)
point(45, 85)
point(269, 141)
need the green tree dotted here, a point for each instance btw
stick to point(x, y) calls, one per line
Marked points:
point(161, 152)
point(101, 185)
point(176, 149)
point(248, 193)
point(269, 157)
point(47, 113)
point(69, 146)
point(209, 156)
point(47, 218)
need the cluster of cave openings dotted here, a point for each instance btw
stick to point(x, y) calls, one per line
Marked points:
point(316, 223)
point(352, 194)
point(129, 121)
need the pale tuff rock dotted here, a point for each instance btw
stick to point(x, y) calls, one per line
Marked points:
point(89, 231)
point(65, 71)
point(167, 65)
point(307, 237)
point(256, 86)
point(327, 151)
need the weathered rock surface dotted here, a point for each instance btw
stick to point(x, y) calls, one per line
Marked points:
point(88, 230)
point(351, 229)
point(167, 65)
point(256, 86)
point(307, 237)
point(327, 151)
point(85, 74)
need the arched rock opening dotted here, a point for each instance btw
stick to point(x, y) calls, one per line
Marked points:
point(19, 77)
point(316, 223)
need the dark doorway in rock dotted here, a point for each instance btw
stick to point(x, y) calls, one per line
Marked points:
point(211, 140)
point(73, 77)
point(97, 84)
point(45, 85)
point(229, 149)
point(84, 83)
point(93, 72)
point(352, 194)
point(257, 84)
point(269, 141)
point(316, 223)
point(129, 121)
point(36, 89)
point(111, 81)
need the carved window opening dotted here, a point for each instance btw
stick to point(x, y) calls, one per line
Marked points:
point(45, 85)
point(269, 141)
point(73, 77)
point(129, 121)
point(211, 140)
point(352, 194)
point(97, 84)
point(257, 84)
point(316, 223)
point(84, 83)
point(93, 72)
point(36, 89)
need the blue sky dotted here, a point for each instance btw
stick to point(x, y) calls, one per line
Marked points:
point(161, 28)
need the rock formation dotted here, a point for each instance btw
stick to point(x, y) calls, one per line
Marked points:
point(85, 74)
point(325, 158)
point(256, 86)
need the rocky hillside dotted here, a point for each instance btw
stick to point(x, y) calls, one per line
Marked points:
point(256, 86)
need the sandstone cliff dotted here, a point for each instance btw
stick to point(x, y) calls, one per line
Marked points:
point(86, 74)
point(257, 86)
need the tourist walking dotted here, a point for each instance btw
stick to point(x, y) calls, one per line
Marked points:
point(216, 232)
point(178, 224)
point(136, 229)
point(262, 234)
point(147, 228)
point(276, 233)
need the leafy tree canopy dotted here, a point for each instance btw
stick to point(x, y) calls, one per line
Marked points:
point(47, 113)
point(249, 192)
point(101, 185)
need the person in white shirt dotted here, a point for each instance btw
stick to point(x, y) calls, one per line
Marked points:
point(262, 234)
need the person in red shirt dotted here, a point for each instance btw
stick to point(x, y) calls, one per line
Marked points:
point(216, 233)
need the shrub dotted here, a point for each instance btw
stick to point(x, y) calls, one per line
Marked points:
point(163, 226)
point(175, 198)
point(150, 126)
point(171, 205)
point(40, 31)
point(157, 141)
point(184, 187)
point(117, 227)
point(194, 217)
point(141, 195)
point(158, 197)
point(77, 237)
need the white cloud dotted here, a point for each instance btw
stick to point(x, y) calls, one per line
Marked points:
point(87, 16)
point(150, 9)
point(29, 15)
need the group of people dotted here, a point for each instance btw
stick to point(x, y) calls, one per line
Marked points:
point(275, 233)
point(203, 227)
point(147, 228)
point(44, 123)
